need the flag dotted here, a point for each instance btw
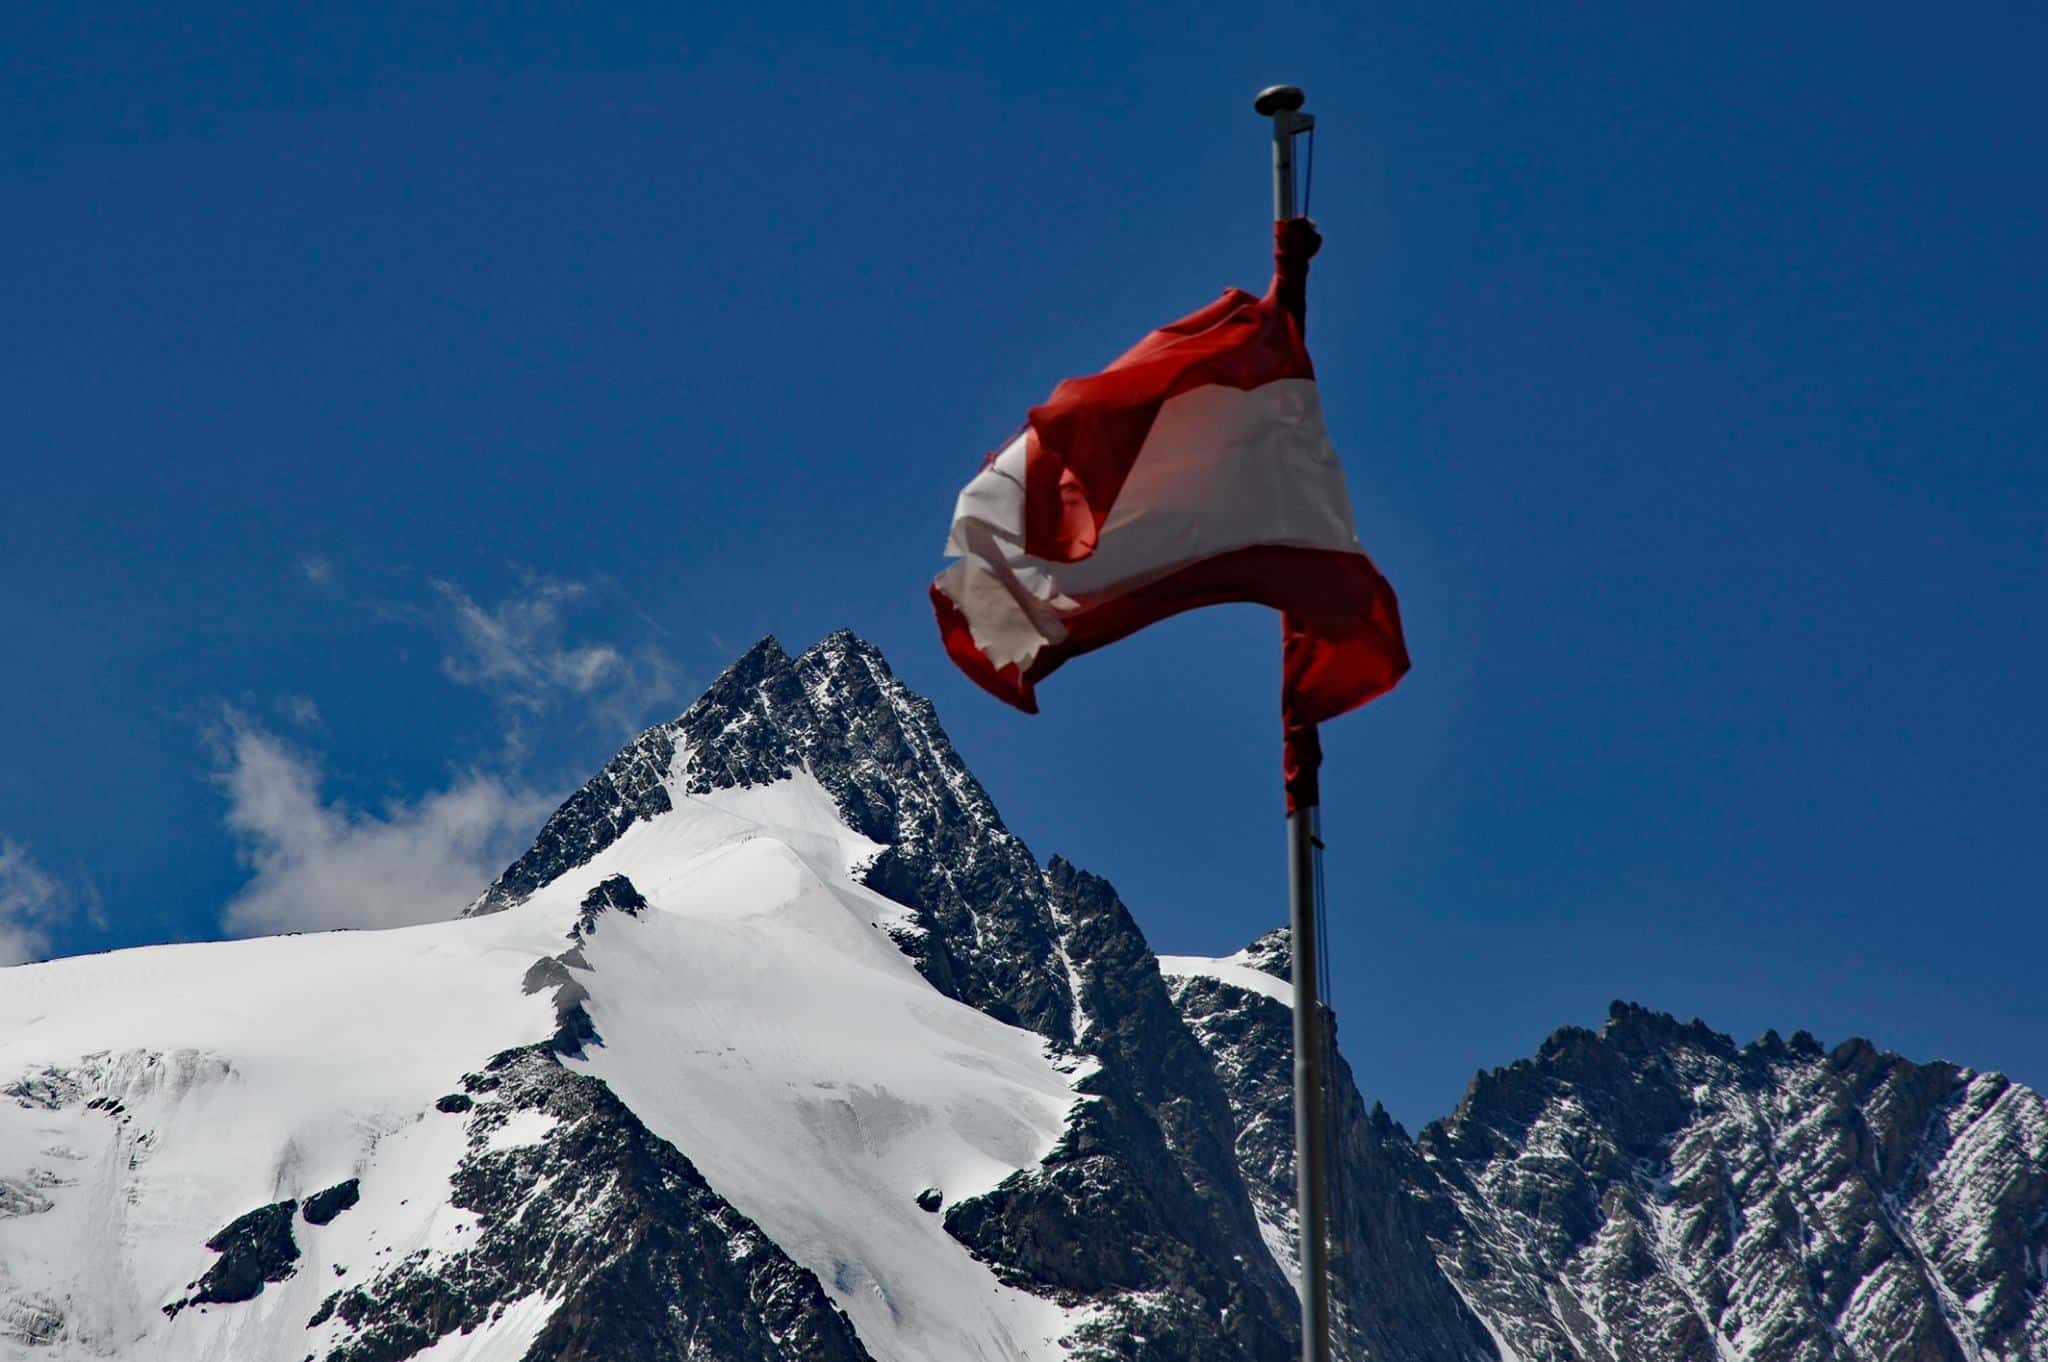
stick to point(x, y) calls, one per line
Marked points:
point(1195, 470)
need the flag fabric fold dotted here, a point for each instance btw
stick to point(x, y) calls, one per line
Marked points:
point(1194, 470)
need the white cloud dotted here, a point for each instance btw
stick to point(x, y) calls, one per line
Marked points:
point(520, 652)
point(30, 899)
point(318, 864)
point(319, 571)
point(517, 650)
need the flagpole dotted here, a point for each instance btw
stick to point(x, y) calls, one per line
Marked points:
point(1282, 104)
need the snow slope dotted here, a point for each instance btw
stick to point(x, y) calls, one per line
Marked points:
point(755, 1016)
point(1234, 970)
point(240, 1073)
point(762, 1021)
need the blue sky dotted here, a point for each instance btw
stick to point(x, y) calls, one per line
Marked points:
point(396, 410)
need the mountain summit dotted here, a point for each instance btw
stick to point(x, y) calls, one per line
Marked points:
point(777, 1044)
point(963, 890)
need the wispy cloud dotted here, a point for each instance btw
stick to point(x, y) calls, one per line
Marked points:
point(516, 648)
point(300, 709)
point(31, 900)
point(318, 864)
point(520, 652)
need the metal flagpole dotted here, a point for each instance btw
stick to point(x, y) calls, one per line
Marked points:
point(1311, 1179)
point(1282, 104)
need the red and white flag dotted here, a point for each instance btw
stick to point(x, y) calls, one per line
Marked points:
point(1193, 471)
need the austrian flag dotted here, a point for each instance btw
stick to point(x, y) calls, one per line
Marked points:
point(1193, 471)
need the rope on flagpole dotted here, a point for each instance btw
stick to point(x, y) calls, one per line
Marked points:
point(1308, 174)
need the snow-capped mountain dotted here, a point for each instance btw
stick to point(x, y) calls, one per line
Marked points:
point(777, 1044)
point(1655, 1191)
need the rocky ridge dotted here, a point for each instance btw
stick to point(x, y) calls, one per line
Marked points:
point(1582, 1205)
point(1653, 1190)
point(1140, 1212)
point(1650, 1190)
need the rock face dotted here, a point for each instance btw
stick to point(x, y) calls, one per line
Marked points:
point(322, 1207)
point(1142, 1208)
point(1140, 1214)
point(1650, 1191)
point(1655, 1190)
point(1392, 1298)
point(601, 1216)
point(978, 919)
point(256, 1249)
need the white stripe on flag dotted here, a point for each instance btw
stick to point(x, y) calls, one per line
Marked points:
point(1222, 469)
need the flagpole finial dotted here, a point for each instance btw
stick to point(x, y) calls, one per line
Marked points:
point(1278, 99)
point(1282, 104)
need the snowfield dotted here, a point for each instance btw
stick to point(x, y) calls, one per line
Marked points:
point(756, 1016)
point(187, 1085)
point(1235, 970)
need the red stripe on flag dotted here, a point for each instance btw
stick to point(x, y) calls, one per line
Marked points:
point(1344, 644)
point(1087, 435)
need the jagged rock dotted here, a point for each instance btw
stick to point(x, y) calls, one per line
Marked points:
point(1657, 1184)
point(1141, 1207)
point(255, 1249)
point(1391, 1298)
point(645, 1259)
point(615, 894)
point(322, 1207)
point(544, 973)
point(1272, 953)
point(573, 1027)
point(632, 786)
point(980, 927)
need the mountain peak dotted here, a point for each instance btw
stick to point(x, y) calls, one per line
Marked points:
point(1646, 1166)
point(977, 920)
point(1637, 1029)
point(844, 643)
point(1271, 953)
point(764, 717)
point(766, 655)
